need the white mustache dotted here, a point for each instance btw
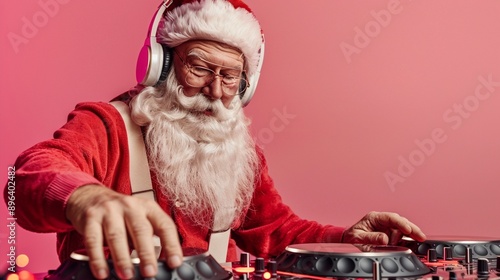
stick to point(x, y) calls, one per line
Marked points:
point(200, 103)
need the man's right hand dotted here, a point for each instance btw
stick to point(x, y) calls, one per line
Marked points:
point(102, 215)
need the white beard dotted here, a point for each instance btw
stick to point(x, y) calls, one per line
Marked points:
point(206, 164)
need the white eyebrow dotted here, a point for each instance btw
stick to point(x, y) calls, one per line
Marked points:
point(202, 56)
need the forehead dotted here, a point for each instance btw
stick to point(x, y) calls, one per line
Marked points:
point(213, 52)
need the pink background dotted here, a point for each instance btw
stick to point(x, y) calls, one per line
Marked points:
point(350, 91)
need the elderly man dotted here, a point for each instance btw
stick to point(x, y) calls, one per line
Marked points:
point(207, 173)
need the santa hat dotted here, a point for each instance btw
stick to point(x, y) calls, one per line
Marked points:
point(226, 21)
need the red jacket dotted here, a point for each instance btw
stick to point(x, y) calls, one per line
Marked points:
point(91, 148)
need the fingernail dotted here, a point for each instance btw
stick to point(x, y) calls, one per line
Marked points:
point(128, 273)
point(149, 270)
point(174, 261)
point(102, 274)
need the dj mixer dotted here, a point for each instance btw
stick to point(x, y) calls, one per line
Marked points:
point(442, 258)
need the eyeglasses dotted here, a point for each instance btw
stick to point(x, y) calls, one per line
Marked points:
point(200, 77)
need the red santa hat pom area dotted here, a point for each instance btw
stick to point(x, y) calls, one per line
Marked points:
point(226, 21)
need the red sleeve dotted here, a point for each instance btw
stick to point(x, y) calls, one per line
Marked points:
point(270, 225)
point(86, 150)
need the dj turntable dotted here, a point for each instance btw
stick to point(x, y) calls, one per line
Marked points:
point(199, 267)
point(435, 259)
point(340, 261)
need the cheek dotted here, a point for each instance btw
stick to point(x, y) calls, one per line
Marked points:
point(188, 90)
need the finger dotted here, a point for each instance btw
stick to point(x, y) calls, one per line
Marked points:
point(416, 233)
point(395, 221)
point(141, 232)
point(395, 236)
point(93, 241)
point(165, 229)
point(116, 237)
point(386, 220)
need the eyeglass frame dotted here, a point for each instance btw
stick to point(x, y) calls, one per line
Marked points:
point(239, 91)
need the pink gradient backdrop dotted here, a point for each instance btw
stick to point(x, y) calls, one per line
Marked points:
point(347, 91)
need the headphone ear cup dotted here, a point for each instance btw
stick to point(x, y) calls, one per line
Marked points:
point(167, 62)
point(150, 64)
point(243, 86)
point(247, 95)
point(142, 66)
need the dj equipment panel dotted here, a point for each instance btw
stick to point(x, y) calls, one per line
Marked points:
point(444, 258)
point(455, 247)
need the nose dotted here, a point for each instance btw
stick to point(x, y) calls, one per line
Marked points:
point(214, 89)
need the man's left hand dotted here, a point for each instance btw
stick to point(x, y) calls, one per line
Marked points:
point(382, 228)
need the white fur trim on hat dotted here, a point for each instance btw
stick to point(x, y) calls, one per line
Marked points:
point(215, 20)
